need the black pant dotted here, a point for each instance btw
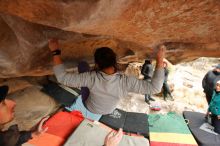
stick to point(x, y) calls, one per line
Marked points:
point(147, 96)
point(216, 124)
point(208, 98)
point(166, 89)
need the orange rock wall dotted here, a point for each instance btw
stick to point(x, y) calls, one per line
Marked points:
point(190, 29)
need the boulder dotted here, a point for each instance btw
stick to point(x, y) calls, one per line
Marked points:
point(131, 28)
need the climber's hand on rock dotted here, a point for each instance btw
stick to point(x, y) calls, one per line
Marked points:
point(53, 44)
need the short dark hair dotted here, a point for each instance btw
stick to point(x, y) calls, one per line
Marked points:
point(105, 57)
point(3, 92)
point(148, 61)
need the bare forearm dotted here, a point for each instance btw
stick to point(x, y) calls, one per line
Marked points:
point(160, 56)
point(55, 50)
point(159, 63)
point(57, 60)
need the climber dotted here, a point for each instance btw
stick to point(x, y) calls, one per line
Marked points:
point(209, 80)
point(12, 136)
point(106, 85)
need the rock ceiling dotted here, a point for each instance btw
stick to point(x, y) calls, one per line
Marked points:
point(189, 29)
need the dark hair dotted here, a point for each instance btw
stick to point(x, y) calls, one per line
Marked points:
point(3, 92)
point(105, 57)
point(148, 61)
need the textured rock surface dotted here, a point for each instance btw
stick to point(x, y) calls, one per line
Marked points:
point(190, 29)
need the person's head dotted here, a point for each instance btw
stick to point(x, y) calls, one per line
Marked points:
point(6, 106)
point(165, 64)
point(147, 61)
point(105, 58)
point(217, 68)
point(217, 87)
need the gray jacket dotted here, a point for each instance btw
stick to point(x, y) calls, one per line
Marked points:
point(107, 90)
